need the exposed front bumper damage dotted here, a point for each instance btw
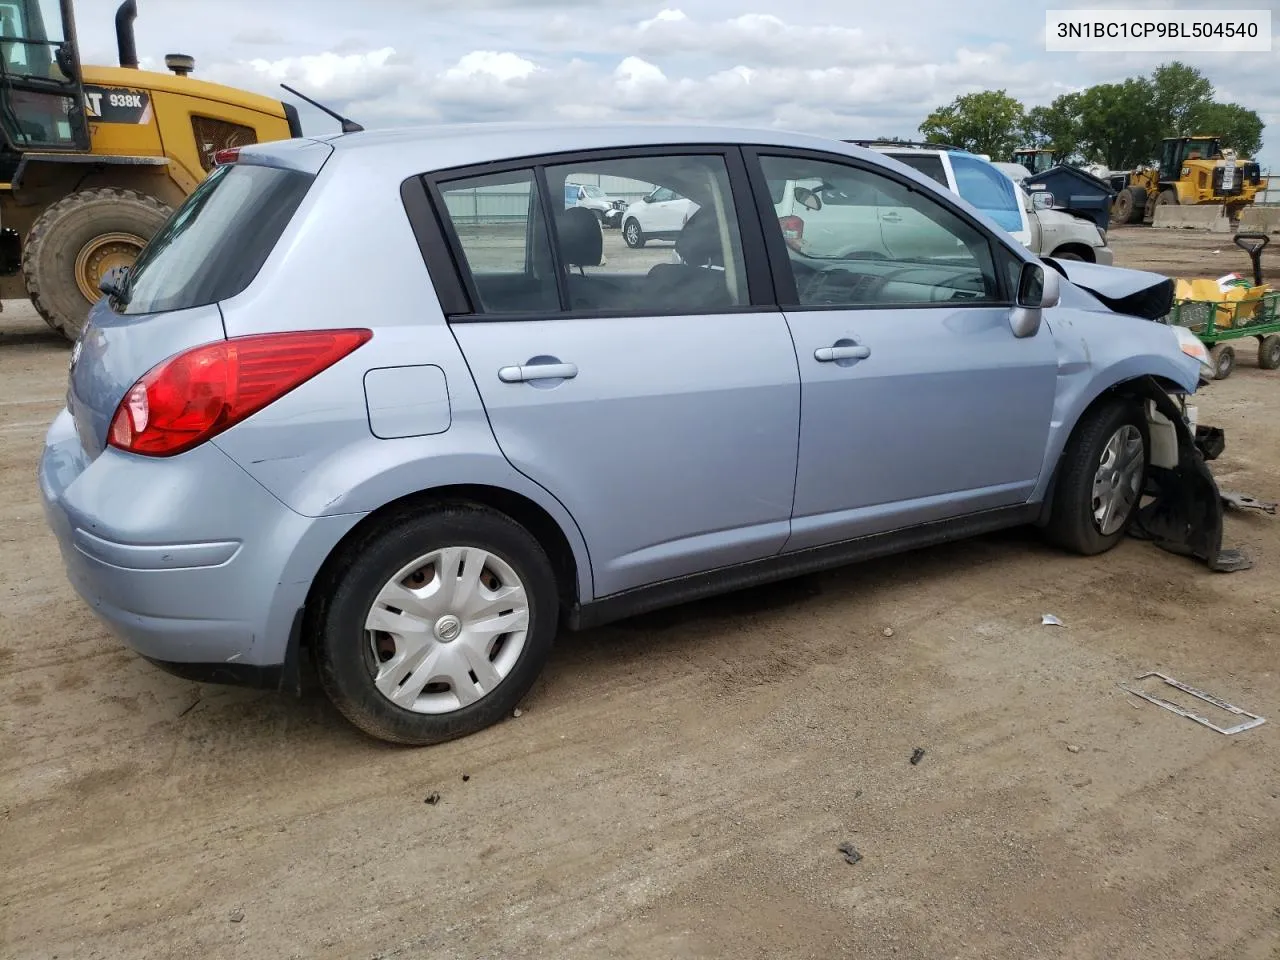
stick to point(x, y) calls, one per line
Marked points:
point(1185, 516)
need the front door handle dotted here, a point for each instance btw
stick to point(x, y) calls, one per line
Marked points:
point(891, 217)
point(828, 354)
point(538, 371)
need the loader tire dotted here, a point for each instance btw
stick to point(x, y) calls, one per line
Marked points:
point(78, 239)
point(1129, 205)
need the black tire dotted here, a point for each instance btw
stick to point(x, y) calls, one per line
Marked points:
point(1223, 356)
point(342, 648)
point(632, 234)
point(1269, 352)
point(1168, 198)
point(1129, 205)
point(1069, 256)
point(66, 229)
point(1072, 525)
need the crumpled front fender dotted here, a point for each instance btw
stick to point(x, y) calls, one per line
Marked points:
point(1186, 515)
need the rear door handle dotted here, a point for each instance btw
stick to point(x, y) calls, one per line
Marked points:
point(828, 354)
point(538, 371)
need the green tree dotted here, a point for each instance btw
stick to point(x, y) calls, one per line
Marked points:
point(1118, 125)
point(1238, 127)
point(990, 122)
point(1056, 127)
point(1178, 95)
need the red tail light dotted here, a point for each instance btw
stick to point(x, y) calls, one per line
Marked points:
point(792, 228)
point(195, 395)
point(227, 155)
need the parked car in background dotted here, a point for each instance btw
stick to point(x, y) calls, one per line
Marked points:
point(660, 215)
point(501, 437)
point(592, 197)
point(994, 189)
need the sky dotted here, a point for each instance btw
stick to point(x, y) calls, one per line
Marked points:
point(842, 68)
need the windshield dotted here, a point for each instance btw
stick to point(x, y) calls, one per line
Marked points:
point(26, 42)
point(595, 193)
point(989, 190)
point(214, 245)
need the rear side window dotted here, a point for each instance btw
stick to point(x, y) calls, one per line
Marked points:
point(216, 242)
point(930, 164)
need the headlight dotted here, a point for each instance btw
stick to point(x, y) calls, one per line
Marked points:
point(1191, 345)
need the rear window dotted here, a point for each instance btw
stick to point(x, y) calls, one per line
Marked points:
point(930, 164)
point(216, 242)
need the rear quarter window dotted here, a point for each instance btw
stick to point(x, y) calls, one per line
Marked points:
point(216, 242)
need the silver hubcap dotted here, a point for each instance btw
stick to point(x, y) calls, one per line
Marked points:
point(632, 233)
point(447, 629)
point(1117, 484)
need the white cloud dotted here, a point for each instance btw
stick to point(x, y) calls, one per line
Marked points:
point(840, 67)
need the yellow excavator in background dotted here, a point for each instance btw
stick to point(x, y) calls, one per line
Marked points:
point(94, 159)
point(1192, 170)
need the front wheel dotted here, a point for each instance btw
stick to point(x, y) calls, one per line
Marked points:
point(1223, 358)
point(632, 234)
point(1103, 473)
point(436, 626)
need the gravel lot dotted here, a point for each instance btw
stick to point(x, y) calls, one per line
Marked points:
point(678, 784)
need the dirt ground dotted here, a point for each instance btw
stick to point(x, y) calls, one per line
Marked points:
point(678, 784)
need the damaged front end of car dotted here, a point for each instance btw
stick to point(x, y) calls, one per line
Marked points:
point(1183, 508)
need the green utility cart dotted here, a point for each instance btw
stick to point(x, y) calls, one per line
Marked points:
point(1217, 323)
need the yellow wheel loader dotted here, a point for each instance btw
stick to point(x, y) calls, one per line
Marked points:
point(1192, 170)
point(94, 159)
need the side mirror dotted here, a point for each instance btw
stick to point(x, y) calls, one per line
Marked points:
point(648, 198)
point(807, 198)
point(1038, 289)
point(1042, 200)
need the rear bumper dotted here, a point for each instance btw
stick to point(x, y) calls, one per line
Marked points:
point(188, 560)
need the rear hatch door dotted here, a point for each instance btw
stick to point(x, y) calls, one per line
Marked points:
point(210, 249)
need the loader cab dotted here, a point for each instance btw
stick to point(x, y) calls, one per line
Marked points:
point(41, 96)
point(1176, 151)
point(1035, 160)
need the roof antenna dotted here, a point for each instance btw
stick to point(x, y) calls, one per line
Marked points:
point(348, 126)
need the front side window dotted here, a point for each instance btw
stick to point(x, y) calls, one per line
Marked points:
point(892, 245)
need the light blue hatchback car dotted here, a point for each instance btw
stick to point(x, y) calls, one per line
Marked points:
point(380, 398)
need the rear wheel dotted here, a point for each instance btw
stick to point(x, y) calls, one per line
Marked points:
point(75, 242)
point(1103, 472)
point(437, 625)
point(1223, 357)
point(632, 234)
point(1168, 197)
point(1269, 352)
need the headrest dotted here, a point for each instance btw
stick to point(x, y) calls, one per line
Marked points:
point(581, 243)
point(699, 242)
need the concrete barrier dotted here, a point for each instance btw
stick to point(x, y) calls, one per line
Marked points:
point(1256, 219)
point(1201, 216)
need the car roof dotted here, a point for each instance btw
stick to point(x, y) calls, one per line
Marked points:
point(440, 147)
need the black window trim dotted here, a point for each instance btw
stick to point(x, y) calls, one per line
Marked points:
point(441, 248)
point(788, 298)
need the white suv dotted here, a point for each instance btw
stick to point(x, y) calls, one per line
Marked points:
point(996, 193)
point(660, 215)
